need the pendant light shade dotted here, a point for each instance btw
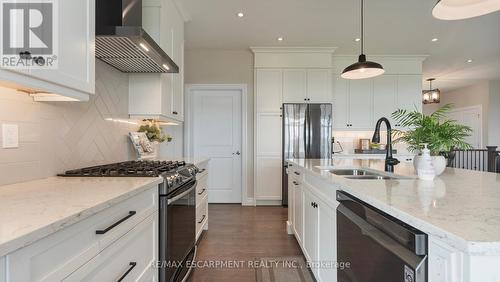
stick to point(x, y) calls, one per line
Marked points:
point(431, 96)
point(362, 68)
point(463, 9)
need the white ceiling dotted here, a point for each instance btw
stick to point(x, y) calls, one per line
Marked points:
point(392, 27)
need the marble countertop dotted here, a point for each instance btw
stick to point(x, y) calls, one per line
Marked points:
point(461, 207)
point(195, 161)
point(369, 156)
point(32, 210)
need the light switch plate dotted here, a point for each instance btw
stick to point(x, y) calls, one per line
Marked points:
point(10, 136)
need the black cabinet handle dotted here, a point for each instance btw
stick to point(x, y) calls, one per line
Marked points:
point(175, 113)
point(202, 219)
point(296, 173)
point(130, 214)
point(295, 182)
point(201, 192)
point(132, 265)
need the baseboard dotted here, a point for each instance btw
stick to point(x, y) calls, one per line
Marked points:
point(289, 228)
point(249, 202)
point(268, 203)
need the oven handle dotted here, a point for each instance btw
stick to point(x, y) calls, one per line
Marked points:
point(181, 195)
point(409, 257)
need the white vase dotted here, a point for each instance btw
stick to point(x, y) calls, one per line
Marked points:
point(439, 163)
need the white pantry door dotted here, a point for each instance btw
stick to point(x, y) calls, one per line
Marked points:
point(217, 135)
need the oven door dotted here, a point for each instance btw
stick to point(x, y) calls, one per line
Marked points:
point(372, 254)
point(177, 232)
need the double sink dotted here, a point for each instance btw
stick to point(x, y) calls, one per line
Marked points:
point(365, 174)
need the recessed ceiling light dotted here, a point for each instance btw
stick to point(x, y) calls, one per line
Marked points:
point(240, 15)
point(280, 38)
point(357, 39)
point(434, 39)
point(469, 61)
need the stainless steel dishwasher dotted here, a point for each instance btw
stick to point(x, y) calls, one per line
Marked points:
point(374, 246)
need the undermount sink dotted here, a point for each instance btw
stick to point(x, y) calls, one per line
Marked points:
point(363, 174)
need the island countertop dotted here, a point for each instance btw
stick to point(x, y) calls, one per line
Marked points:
point(461, 207)
point(32, 210)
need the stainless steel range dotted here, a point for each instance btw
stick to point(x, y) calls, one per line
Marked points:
point(177, 212)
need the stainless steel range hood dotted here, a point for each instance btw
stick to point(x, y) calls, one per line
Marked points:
point(123, 43)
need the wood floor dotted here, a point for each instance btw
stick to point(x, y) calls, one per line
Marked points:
point(239, 233)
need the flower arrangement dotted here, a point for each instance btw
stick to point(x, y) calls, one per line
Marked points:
point(153, 132)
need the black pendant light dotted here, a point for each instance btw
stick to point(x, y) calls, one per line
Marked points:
point(460, 9)
point(363, 68)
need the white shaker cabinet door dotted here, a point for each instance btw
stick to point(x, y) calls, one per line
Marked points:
point(294, 86)
point(269, 90)
point(310, 241)
point(319, 86)
point(298, 212)
point(327, 243)
point(340, 103)
point(409, 92)
point(384, 96)
point(361, 104)
point(76, 53)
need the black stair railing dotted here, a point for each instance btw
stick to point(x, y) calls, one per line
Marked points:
point(476, 159)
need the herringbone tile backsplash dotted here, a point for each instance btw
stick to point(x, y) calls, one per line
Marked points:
point(57, 136)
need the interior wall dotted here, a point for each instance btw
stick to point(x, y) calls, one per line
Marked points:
point(215, 66)
point(478, 94)
point(494, 114)
point(57, 136)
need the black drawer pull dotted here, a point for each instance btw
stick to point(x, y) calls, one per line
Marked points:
point(296, 183)
point(132, 265)
point(130, 214)
point(296, 173)
point(175, 113)
point(202, 219)
point(201, 192)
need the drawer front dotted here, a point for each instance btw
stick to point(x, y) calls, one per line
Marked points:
point(131, 257)
point(58, 255)
point(201, 189)
point(201, 216)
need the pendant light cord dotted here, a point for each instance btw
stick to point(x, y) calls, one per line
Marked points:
point(362, 28)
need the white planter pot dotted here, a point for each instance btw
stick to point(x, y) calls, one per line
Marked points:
point(439, 163)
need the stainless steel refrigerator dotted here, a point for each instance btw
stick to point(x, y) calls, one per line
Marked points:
point(307, 134)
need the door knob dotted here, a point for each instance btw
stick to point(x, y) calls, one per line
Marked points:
point(237, 153)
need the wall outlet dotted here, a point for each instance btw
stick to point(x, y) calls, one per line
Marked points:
point(10, 136)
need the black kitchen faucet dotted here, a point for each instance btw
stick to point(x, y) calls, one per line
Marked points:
point(390, 161)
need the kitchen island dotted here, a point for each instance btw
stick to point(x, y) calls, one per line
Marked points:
point(460, 212)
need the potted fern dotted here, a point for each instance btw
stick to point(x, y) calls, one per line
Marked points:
point(437, 130)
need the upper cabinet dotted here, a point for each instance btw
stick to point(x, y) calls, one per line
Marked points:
point(74, 77)
point(307, 86)
point(160, 96)
point(358, 104)
point(269, 90)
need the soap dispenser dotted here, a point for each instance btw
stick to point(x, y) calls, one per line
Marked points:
point(425, 169)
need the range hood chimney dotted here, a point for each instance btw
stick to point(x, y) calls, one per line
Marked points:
point(123, 43)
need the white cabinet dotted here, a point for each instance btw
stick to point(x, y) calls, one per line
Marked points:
point(55, 257)
point(361, 104)
point(327, 242)
point(445, 263)
point(384, 96)
point(294, 86)
point(319, 242)
point(269, 90)
point(310, 241)
point(131, 258)
point(160, 96)
point(202, 199)
point(319, 86)
point(74, 77)
point(268, 178)
point(358, 104)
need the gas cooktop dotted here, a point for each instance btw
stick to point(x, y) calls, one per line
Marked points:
point(128, 169)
